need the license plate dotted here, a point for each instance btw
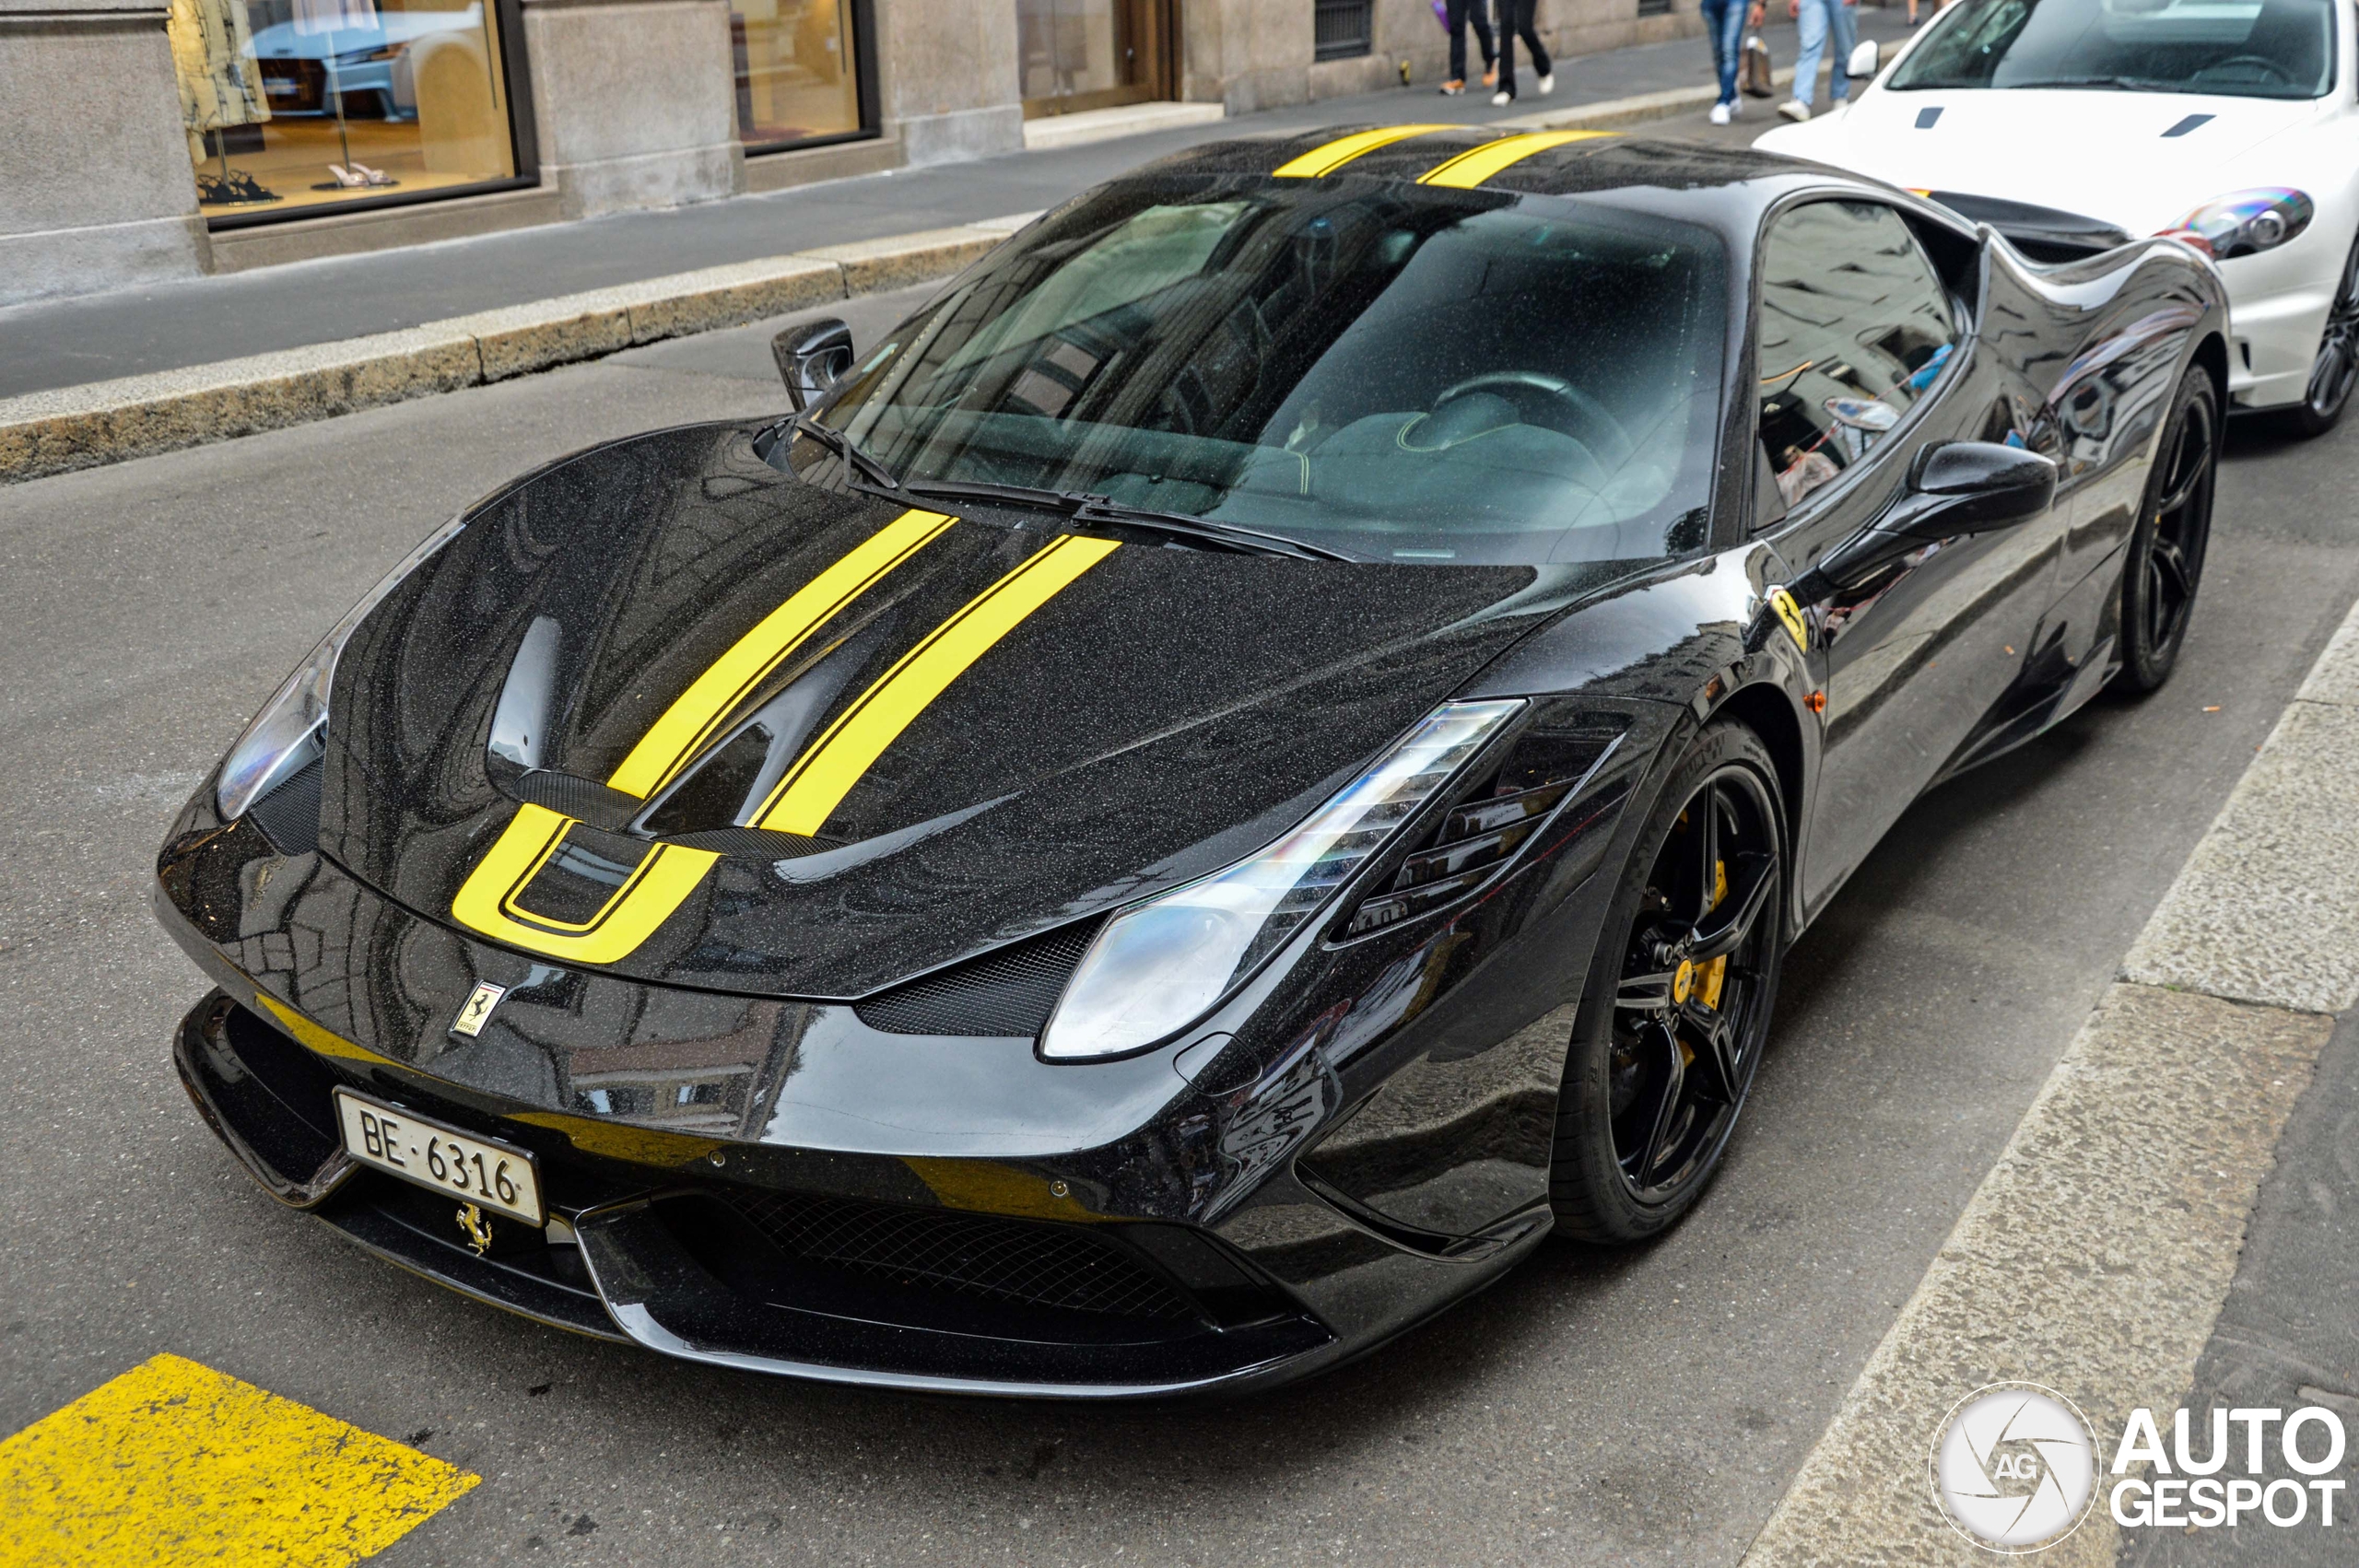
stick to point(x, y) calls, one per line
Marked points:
point(497, 1176)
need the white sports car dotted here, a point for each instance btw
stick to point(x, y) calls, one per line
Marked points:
point(2074, 125)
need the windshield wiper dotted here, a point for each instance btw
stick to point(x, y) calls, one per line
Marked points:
point(1084, 507)
point(2121, 84)
point(836, 441)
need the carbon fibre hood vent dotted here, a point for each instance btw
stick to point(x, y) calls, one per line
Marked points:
point(1009, 991)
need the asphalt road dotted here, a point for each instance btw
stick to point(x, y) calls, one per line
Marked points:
point(1644, 1407)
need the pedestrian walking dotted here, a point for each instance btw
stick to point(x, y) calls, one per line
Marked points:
point(1724, 19)
point(1823, 23)
point(1515, 22)
point(1456, 14)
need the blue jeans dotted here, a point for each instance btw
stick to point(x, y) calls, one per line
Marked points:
point(1724, 19)
point(1822, 21)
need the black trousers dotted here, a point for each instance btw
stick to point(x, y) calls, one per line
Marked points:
point(1460, 13)
point(1515, 22)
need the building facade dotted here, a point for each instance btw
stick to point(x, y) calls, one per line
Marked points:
point(150, 140)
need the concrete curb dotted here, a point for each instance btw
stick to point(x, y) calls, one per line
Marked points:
point(102, 422)
point(2096, 1255)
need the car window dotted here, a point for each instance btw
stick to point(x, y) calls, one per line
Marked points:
point(1405, 374)
point(2236, 48)
point(1855, 327)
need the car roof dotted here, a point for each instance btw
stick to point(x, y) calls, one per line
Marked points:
point(1726, 188)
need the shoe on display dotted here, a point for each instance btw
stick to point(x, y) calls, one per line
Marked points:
point(1547, 84)
point(1720, 115)
point(1501, 100)
point(1452, 88)
point(1794, 109)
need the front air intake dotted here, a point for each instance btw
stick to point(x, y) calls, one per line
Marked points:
point(1008, 992)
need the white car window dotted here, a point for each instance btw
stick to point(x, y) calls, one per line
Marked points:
point(2237, 48)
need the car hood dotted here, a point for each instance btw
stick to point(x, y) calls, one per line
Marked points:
point(1161, 714)
point(2104, 155)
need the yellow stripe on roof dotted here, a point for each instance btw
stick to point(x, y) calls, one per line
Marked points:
point(677, 738)
point(1476, 165)
point(1335, 154)
point(826, 773)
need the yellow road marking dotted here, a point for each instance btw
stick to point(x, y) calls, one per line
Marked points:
point(677, 738)
point(1328, 158)
point(487, 902)
point(1476, 165)
point(173, 1465)
point(824, 773)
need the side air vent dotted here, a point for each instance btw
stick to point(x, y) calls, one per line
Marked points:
point(289, 815)
point(1009, 991)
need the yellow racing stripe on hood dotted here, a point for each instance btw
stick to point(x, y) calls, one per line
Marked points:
point(682, 733)
point(1476, 165)
point(1331, 156)
point(487, 901)
point(824, 773)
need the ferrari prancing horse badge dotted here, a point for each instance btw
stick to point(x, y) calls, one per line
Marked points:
point(475, 1012)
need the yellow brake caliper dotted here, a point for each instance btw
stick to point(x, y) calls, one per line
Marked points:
point(1703, 981)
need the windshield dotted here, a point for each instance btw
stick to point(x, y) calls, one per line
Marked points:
point(2236, 48)
point(1393, 374)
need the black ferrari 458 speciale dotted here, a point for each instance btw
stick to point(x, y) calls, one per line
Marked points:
point(1250, 761)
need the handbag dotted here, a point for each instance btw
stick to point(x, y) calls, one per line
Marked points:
point(1755, 76)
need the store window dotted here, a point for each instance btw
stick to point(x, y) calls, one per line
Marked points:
point(295, 106)
point(1078, 54)
point(800, 73)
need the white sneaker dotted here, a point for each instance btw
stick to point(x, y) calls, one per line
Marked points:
point(1548, 84)
point(1794, 109)
point(1736, 109)
point(1501, 100)
point(1720, 114)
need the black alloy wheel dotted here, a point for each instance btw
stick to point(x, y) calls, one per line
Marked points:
point(1680, 996)
point(2335, 372)
point(2164, 565)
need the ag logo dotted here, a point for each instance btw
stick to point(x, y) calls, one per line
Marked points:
point(2014, 1468)
point(475, 1012)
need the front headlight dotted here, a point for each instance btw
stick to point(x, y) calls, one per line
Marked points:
point(2246, 223)
point(287, 734)
point(1159, 966)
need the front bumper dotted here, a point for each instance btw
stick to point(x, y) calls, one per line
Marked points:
point(887, 1296)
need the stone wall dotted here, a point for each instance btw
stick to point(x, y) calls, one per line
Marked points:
point(948, 85)
point(95, 189)
point(633, 102)
point(1257, 53)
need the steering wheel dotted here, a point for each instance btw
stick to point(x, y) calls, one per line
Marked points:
point(1615, 448)
point(2263, 61)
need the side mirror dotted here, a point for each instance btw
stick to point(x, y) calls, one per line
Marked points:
point(1955, 489)
point(1866, 61)
point(810, 357)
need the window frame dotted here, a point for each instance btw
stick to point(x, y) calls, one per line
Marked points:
point(1968, 320)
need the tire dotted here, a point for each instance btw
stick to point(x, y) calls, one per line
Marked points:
point(2164, 566)
point(2335, 372)
point(1637, 1137)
